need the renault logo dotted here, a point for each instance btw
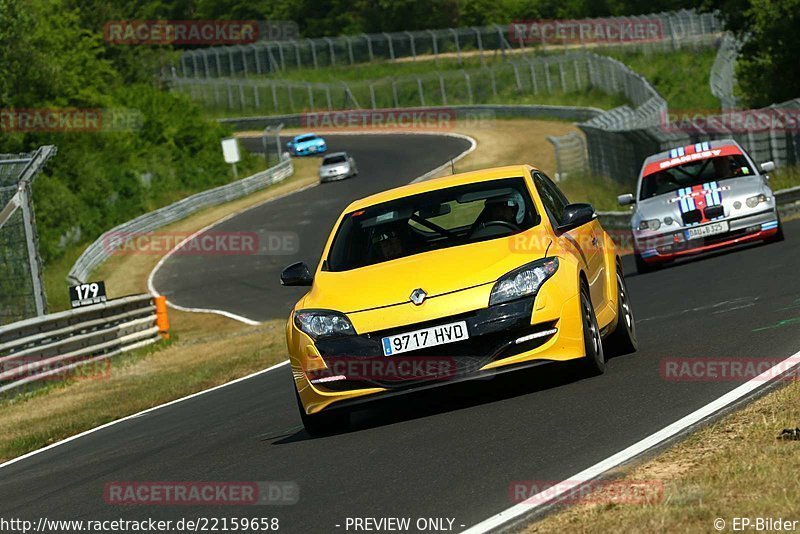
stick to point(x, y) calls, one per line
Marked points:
point(418, 296)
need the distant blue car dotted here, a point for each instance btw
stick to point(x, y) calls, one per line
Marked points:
point(306, 145)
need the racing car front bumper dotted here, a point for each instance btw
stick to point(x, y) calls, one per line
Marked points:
point(527, 332)
point(673, 245)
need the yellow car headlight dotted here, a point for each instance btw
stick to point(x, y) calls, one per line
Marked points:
point(320, 324)
point(524, 281)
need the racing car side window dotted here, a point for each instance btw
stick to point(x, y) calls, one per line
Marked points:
point(553, 199)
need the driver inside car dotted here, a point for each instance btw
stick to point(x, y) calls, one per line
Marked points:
point(503, 210)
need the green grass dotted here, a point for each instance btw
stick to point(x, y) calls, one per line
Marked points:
point(785, 178)
point(54, 272)
point(600, 192)
point(682, 77)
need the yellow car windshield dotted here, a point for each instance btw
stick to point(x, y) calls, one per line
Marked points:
point(433, 220)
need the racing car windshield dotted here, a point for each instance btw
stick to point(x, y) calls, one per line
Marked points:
point(305, 138)
point(331, 160)
point(694, 173)
point(434, 220)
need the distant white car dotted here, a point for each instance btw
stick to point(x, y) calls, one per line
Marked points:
point(699, 198)
point(337, 166)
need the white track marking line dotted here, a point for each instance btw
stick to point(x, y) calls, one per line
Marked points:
point(252, 322)
point(552, 494)
point(151, 287)
point(143, 412)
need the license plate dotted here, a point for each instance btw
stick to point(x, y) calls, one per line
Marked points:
point(424, 338)
point(707, 230)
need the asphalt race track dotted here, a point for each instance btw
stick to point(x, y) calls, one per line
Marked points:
point(247, 286)
point(451, 452)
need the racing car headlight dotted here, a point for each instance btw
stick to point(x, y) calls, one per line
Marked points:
point(323, 323)
point(524, 281)
point(650, 224)
point(753, 202)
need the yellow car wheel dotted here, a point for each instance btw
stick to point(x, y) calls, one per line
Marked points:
point(594, 362)
point(324, 423)
point(623, 339)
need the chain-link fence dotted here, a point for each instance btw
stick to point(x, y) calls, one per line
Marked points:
point(722, 78)
point(457, 43)
point(526, 74)
point(571, 159)
point(21, 293)
point(620, 139)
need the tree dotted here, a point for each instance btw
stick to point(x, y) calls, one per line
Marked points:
point(768, 70)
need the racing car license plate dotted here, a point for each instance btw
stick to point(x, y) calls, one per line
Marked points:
point(707, 230)
point(424, 338)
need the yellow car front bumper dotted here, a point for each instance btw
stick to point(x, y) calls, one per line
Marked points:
point(500, 330)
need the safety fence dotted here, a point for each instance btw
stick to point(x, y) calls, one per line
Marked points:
point(109, 243)
point(673, 29)
point(21, 293)
point(570, 151)
point(479, 111)
point(722, 78)
point(619, 141)
point(525, 75)
point(78, 342)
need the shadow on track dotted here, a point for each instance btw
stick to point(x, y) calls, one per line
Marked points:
point(630, 269)
point(451, 398)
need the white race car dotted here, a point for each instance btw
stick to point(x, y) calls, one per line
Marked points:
point(699, 198)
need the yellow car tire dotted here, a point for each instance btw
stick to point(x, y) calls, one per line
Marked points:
point(324, 423)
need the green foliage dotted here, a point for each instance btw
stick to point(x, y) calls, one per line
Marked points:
point(52, 55)
point(768, 70)
point(681, 77)
point(318, 18)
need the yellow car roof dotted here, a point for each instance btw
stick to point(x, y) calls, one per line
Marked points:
point(511, 171)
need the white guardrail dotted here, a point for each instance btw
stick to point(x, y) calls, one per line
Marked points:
point(59, 345)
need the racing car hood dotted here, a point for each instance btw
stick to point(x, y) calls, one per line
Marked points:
point(725, 193)
point(438, 273)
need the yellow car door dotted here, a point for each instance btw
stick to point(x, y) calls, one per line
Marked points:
point(586, 241)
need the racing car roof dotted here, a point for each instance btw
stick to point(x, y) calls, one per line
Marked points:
point(312, 135)
point(684, 154)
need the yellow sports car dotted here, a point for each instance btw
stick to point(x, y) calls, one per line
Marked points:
point(453, 279)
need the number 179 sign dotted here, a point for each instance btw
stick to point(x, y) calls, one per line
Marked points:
point(87, 294)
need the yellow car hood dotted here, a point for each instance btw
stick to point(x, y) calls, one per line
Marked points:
point(437, 272)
